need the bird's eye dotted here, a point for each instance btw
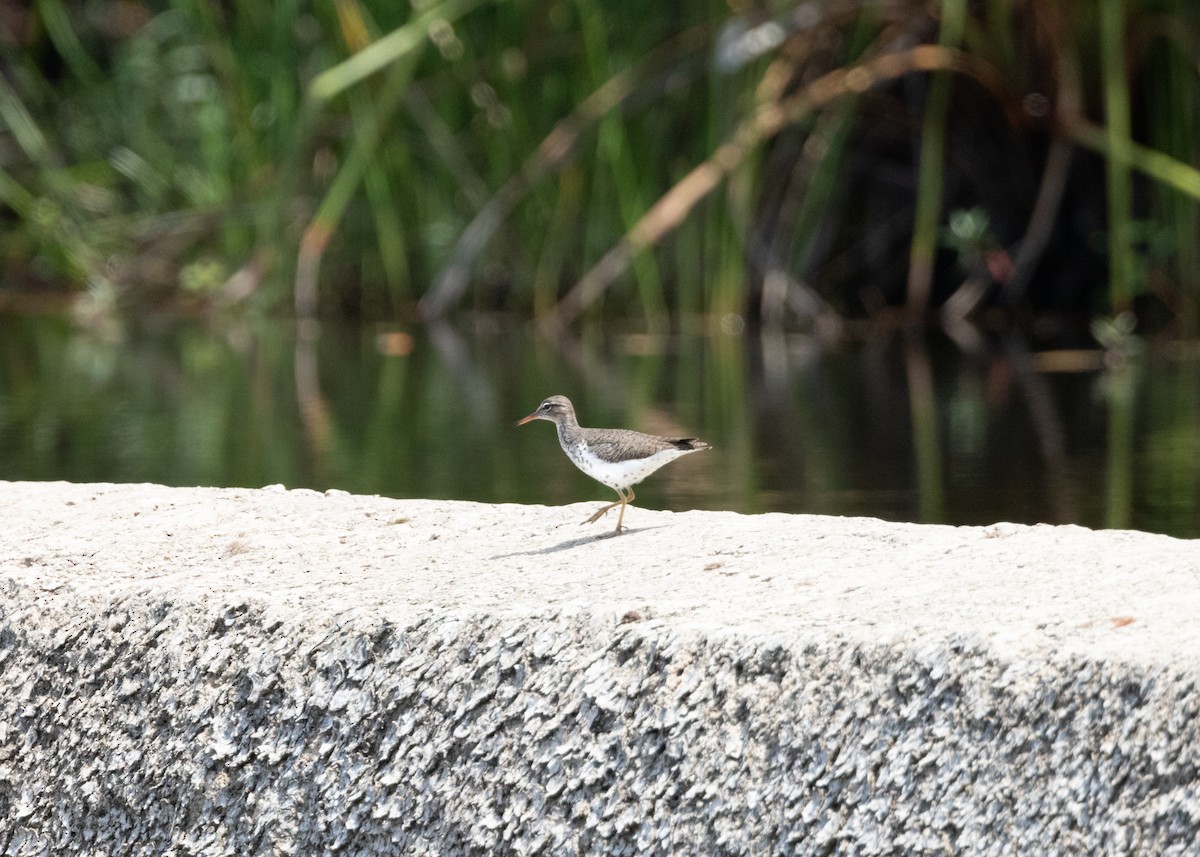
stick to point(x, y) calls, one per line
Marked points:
point(545, 406)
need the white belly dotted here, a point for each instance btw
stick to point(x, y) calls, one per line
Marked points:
point(620, 474)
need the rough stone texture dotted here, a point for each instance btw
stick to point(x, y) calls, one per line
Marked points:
point(199, 671)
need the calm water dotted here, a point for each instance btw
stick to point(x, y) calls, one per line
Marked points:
point(915, 431)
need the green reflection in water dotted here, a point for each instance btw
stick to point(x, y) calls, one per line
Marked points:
point(923, 432)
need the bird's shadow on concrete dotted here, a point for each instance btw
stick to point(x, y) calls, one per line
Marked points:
point(579, 542)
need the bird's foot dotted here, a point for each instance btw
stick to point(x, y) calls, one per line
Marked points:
point(599, 514)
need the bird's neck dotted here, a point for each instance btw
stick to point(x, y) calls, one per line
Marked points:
point(568, 429)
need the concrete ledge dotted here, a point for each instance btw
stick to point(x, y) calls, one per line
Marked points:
point(200, 671)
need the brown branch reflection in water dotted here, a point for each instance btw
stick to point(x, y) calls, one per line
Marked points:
point(923, 413)
point(314, 409)
point(476, 391)
point(1048, 428)
point(1121, 389)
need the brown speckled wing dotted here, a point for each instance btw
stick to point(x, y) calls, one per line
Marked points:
point(625, 444)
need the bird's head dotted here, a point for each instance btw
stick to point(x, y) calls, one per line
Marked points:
point(554, 409)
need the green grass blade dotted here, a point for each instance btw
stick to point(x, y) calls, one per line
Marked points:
point(396, 44)
point(929, 178)
point(1152, 163)
point(1121, 259)
point(57, 22)
point(22, 125)
point(15, 196)
point(370, 122)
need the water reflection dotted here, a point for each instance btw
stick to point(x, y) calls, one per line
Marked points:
point(926, 429)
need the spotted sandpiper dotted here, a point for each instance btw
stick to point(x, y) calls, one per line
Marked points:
point(619, 458)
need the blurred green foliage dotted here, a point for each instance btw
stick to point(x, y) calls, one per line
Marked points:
point(354, 152)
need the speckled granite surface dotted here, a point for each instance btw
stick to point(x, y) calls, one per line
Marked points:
point(198, 671)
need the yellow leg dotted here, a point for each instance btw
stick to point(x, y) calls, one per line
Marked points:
point(624, 501)
point(603, 510)
point(621, 516)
